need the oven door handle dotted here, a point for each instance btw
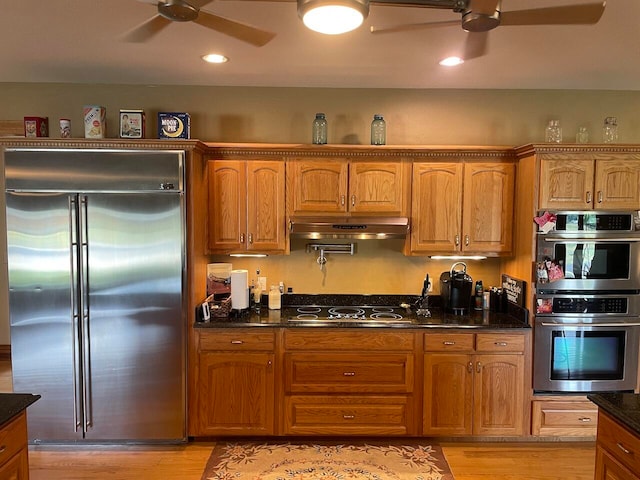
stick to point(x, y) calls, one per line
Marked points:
point(591, 240)
point(609, 324)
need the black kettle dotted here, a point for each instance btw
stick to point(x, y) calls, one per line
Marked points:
point(455, 289)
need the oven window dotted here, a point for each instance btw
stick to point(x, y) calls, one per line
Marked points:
point(587, 355)
point(594, 260)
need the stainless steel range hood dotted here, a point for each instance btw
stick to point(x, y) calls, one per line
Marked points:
point(349, 227)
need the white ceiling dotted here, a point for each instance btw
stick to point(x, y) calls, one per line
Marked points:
point(79, 41)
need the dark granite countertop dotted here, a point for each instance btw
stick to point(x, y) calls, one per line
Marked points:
point(624, 407)
point(516, 317)
point(11, 404)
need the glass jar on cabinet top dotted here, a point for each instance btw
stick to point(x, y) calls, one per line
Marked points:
point(378, 130)
point(610, 130)
point(319, 130)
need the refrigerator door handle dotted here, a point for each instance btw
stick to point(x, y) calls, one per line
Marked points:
point(83, 251)
point(75, 310)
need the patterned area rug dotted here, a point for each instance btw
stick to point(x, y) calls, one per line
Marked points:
point(405, 460)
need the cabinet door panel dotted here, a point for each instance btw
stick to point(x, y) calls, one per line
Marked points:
point(608, 468)
point(436, 209)
point(498, 395)
point(488, 207)
point(448, 395)
point(265, 209)
point(318, 187)
point(617, 184)
point(376, 187)
point(236, 394)
point(566, 183)
point(227, 205)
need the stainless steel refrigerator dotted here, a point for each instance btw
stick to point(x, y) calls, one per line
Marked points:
point(96, 264)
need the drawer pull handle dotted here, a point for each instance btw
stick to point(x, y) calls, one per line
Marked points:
point(479, 367)
point(348, 417)
point(500, 344)
point(584, 419)
point(349, 374)
point(625, 450)
point(236, 342)
point(470, 367)
point(448, 342)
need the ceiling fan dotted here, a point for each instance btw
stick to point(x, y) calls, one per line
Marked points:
point(478, 17)
point(191, 11)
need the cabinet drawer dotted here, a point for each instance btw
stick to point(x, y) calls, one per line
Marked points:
point(237, 339)
point(13, 437)
point(448, 342)
point(623, 445)
point(499, 342)
point(376, 373)
point(352, 415)
point(564, 418)
point(342, 339)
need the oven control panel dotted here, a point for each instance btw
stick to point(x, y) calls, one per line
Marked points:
point(561, 305)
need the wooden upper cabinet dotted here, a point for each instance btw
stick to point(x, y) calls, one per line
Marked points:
point(606, 184)
point(487, 219)
point(342, 187)
point(462, 207)
point(436, 207)
point(246, 206)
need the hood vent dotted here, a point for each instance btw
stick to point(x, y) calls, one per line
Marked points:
point(349, 227)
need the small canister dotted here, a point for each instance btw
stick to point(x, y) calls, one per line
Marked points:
point(65, 128)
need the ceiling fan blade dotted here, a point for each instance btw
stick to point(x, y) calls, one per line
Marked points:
point(485, 7)
point(475, 45)
point(241, 31)
point(586, 14)
point(445, 4)
point(413, 26)
point(146, 30)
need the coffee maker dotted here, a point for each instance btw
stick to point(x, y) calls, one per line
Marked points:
point(455, 289)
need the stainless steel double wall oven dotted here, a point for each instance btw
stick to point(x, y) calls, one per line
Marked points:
point(587, 328)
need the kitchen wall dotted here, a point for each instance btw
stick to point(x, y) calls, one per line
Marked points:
point(284, 115)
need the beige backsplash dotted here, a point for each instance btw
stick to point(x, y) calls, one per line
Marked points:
point(378, 267)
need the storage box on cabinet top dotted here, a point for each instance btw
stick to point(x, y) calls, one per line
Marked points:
point(173, 125)
point(36, 126)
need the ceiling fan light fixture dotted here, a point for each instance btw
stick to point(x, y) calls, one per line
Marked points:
point(177, 10)
point(333, 17)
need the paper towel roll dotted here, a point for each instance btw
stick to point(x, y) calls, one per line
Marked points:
point(239, 289)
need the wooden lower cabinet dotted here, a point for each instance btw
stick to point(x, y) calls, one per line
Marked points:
point(236, 383)
point(348, 382)
point(617, 451)
point(564, 417)
point(473, 393)
point(14, 457)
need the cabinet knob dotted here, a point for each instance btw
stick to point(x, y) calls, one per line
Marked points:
point(479, 367)
point(584, 419)
point(457, 240)
point(250, 238)
point(353, 200)
point(348, 417)
point(470, 367)
point(242, 238)
point(466, 240)
point(448, 342)
point(500, 344)
point(236, 342)
point(600, 196)
point(588, 197)
point(349, 374)
point(342, 200)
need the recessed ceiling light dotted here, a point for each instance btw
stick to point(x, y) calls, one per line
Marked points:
point(451, 61)
point(215, 58)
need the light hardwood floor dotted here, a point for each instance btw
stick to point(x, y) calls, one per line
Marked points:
point(468, 461)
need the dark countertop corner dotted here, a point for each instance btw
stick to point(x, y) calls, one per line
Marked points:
point(624, 407)
point(11, 404)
